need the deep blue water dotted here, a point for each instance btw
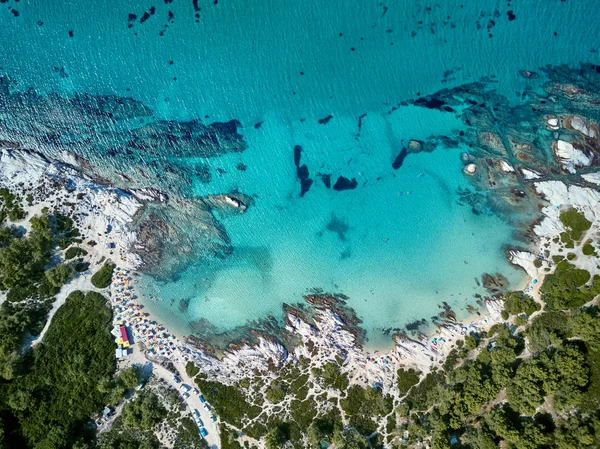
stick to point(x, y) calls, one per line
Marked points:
point(400, 244)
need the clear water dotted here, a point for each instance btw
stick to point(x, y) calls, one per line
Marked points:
point(403, 253)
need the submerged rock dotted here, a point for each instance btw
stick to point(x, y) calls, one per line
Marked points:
point(343, 183)
point(302, 172)
point(324, 121)
point(399, 160)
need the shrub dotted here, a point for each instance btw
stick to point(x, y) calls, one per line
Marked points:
point(361, 405)
point(81, 266)
point(131, 377)
point(228, 401)
point(331, 376)
point(588, 250)
point(275, 392)
point(191, 369)
point(74, 251)
point(516, 303)
point(144, 413)
point(521, 320)
point(565, 288)
point(471, 342)
point(103, 277)
point(407, 379)
point(576, 224)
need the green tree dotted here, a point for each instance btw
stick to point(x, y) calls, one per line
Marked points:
point(103, 277)
point(131, 377)
point(145, 412)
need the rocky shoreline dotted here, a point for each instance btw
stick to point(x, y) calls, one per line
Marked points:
point(324, 328)
point(132, 228)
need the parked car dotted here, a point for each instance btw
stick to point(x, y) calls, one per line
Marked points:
point(203, 431)
point(196, 392)
point(213, 418)
point(177, 379)
point(206, 407)
point(186, 395)
point(202, 399)
point(196, 413)
point(199, 422)
point(185, 387)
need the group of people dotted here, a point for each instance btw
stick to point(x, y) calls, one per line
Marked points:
point(128, 312)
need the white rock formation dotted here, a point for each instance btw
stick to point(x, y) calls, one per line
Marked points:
point(580, 124)
point(524, 259)
point(530, 174)
point(571, 157)
point(594, 178)
point(506, 167)
point(553, 123)
point(102, 214)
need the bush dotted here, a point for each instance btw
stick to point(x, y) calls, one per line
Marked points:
point(74, 251)
point(471, 342)
point(361, 405)
point(331, 376)
point(191, 369)
point(81, 266)
point(546, 329)
point(103, 277)
point(407, 379)
point(565, 288)
point(517, 302)
point(588, 250)
point(144, 413)
point(275, 392)
point(131, 377)
point(228, 401)
point(576, 225)
point(521, 320)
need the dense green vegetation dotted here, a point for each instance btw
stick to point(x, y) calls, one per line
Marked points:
point(10, 206)
point(331, 376)
point(548, 400)
point(588, 250)
point(58, 389)
point(144, 412)
point(575, 225)
point(407, 379)
point(31, 281)
point(191, 369)
point(516, 303)
point(363, 406)
point(568, 287)
point(228, 401)
point(74, 251)
point(103, 277)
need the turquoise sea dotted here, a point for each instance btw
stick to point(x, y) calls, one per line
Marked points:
point(398, 244)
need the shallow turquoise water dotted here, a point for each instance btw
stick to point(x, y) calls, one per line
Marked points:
point(408, 245)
